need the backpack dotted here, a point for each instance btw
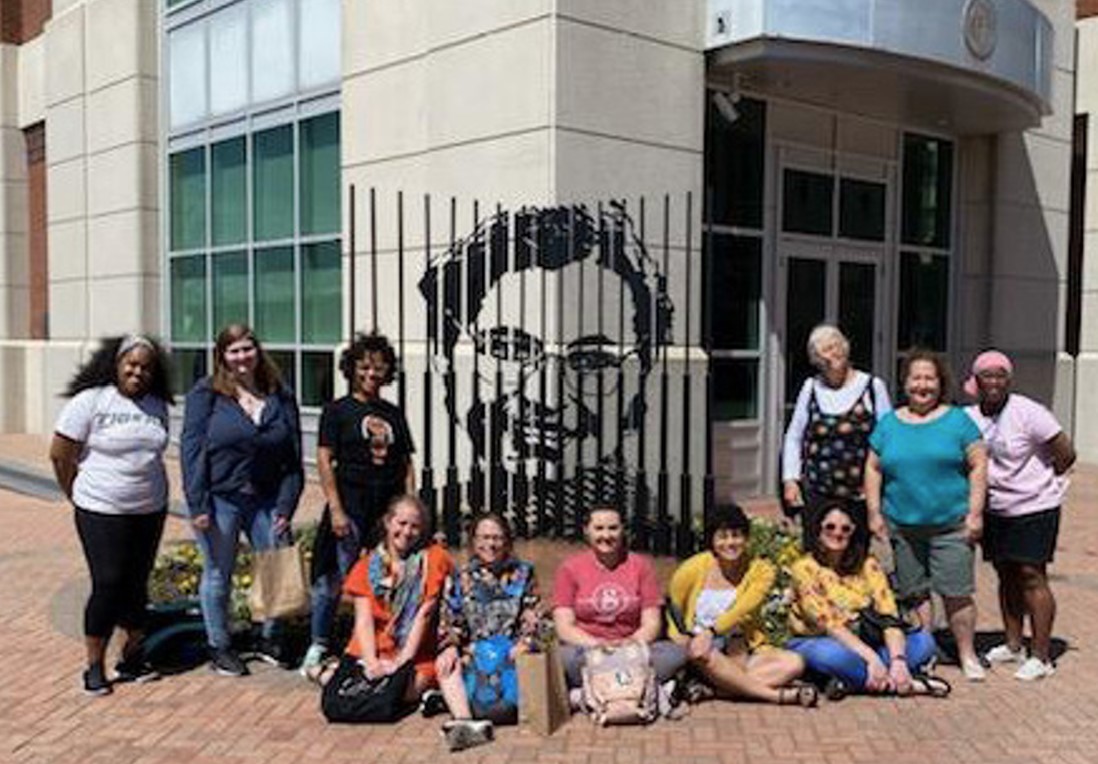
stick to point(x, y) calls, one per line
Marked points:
point(619, 685)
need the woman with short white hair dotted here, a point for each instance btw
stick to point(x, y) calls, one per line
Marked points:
point(827, 439)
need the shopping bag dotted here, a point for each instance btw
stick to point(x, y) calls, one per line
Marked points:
point(543, 695)
point(278, 584)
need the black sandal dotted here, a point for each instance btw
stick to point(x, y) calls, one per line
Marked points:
point(803, 695)
point(930, 685)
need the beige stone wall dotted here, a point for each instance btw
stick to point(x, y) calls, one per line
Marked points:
point(1086, 95)
point(92, 76)
point(14, 260)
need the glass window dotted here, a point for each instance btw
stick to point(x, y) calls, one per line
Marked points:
point(924, 301)
point(274, 294)
point(318, 52)
point(735, 291)
point(229, 192)
point(187, 74)
point(858, 310)
point(861, 209)
point(284, 360)
point(735, 388)
point(188, 288)
point(188, 199)
point(229, 59)
point(806, 305)
point(273, 183)
point(317, 380)
point(806, 202)
point(320, 203)
point(735, 142)
point(927, 191)
point(321, 293)
point(188, 366)
point(272, 50)
point(230, 289)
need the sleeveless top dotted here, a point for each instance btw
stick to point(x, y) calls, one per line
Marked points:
point(836, 445)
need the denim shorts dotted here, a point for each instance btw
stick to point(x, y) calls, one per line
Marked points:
point(932, 558)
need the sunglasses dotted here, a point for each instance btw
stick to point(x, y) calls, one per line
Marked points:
point(842, 529)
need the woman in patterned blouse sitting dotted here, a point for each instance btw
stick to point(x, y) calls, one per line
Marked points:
point(844, 619)
point(490, 612)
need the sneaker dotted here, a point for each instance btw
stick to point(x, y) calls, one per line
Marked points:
point(314, 656)
point(432, 704)
point(1003, 654)
point(227, 663)
point(1033, 669)
point(272, 652)
point(461, 734)
point(135, 669)
point(95, 681)
point(973, 670)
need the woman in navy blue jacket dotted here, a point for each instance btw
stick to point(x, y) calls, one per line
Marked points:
point(241, 460)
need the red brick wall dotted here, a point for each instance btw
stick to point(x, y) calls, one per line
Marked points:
point(35, 136)
point(22, 20)
point(1085, 8)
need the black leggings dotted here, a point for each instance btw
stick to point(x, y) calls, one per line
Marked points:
point(120, 550)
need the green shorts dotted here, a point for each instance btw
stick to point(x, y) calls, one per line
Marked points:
point(932, 558)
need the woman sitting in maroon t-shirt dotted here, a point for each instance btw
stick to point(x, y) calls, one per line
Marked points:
point(608, 595)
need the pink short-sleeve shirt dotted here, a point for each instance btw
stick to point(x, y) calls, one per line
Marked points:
point(607, 603)
point(1020, 477)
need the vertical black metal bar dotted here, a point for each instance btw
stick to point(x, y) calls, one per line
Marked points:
point(685, 543)
point(600, 390)
point(559, 484)
point(708, 482)
point(451, 502)
point(663, 520)
point(541, 260)
point(402, 379)
point(351, 267)
point(498, 423)
point(482, 270)
point(427, 481)
point(519, 489)
point(618, 254)
point(580, 471)
point(373, 260)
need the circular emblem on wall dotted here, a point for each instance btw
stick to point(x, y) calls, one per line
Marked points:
point(979, 26)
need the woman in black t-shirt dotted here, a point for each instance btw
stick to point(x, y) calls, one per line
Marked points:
point(364, 457)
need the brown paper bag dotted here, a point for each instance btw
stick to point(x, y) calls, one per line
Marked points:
point(279, 588)
point(543, 694)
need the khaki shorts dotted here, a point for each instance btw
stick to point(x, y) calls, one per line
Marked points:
point(932, 558)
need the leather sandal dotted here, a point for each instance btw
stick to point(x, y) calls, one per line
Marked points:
point(803, 695)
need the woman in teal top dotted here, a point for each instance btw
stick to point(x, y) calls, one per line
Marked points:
point(925, 484)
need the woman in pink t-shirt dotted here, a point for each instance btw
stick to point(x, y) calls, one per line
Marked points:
point(1028, 453)
point(608, 595)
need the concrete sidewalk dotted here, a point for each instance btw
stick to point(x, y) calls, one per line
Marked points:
point(273, 716)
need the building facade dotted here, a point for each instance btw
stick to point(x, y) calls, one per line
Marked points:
point(902, 169)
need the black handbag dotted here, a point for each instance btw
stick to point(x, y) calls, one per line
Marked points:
point(870, 626)
point(351, 697)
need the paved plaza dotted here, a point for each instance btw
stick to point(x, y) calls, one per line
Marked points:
point(273, 716)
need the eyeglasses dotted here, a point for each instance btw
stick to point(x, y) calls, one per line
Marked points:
point(841, 529)
point(490, 537)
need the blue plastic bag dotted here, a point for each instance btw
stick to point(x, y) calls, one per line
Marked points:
point(491, 681)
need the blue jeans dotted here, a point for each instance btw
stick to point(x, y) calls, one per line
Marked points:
point(231, 515)
point(326, 590)
point(830, 657)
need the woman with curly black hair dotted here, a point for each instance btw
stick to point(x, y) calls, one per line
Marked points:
point(364, 458)
point(107, 453)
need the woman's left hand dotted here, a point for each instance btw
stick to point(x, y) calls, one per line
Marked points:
point(900, 677)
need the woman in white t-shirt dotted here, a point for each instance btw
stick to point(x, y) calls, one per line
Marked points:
point(107, 453)
point(1028, 455)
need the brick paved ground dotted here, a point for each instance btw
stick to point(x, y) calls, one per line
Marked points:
point(272, 716)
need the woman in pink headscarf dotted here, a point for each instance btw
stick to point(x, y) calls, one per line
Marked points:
point(1028, 454)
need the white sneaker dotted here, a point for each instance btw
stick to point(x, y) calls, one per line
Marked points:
point(1003, 654)
point(973, 670)
point(1034, 669)
point(314, 656)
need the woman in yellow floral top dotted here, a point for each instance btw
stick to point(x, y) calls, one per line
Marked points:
point(716, 598)
point(844, 617)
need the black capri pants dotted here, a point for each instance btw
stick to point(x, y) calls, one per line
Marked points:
point(120, 550)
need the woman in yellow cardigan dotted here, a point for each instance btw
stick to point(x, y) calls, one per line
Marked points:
point(716, 598)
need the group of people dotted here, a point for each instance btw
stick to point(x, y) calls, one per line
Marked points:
point(930, 478)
